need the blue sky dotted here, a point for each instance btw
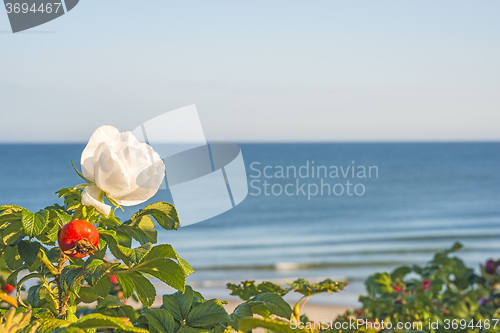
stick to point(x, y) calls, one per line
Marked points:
point(258, 70)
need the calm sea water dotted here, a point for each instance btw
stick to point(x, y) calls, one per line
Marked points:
point(426, 197)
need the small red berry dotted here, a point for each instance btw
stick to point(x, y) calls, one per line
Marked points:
point(397, 289)
point(113, 279)
point(78, 239)
point(491, 267)
point(426, 284)
point(8, 288)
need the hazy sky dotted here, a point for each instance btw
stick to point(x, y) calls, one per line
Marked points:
point(258, 70)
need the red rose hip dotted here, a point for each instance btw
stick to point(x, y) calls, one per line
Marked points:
point(78, 239)
point(8, 288)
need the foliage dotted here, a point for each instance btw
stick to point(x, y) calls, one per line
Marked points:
point(54, 291)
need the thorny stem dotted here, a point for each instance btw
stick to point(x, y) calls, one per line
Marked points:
point(63, 299)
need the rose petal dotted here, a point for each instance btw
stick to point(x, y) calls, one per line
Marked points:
point(111, 175)
point(90, 197)
point(127, 170)
point(102, 134)
point(151, 180)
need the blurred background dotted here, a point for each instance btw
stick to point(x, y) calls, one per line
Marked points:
point(409, 87)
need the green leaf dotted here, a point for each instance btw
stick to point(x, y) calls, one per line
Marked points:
point(69, 330)
point(142, 229)
point(70, 275)
point(208, 313)
point(86, 295)
point(161, 320)
point(187, 329)
point(49, 324)
point(10, 213)
point(12, 232)
point(109, 301)
point(145, 290)
point(167, 271)
point(34, 295)
point(247, 289)
point(33, 224)
point(164, 213)
point(12, 279)
point(110, 221)
point(134, 255)
point(28, 251)
point(274, 303)
point(179, 304)
point(249, 324)
point(186, 267)
point(127, 285)
point(400, 272)
point(308, 289)
point(96, 269)
point(63, 217)
point(243, 310)
point(161, 251)
point(100, 321)
point(101, 288)
point(50, 233)
point(12, 257)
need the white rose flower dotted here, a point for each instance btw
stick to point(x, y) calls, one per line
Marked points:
point(126, 170)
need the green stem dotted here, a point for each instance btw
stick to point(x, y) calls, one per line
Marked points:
point(63, 299)
point(298, 307)
point(47, 263)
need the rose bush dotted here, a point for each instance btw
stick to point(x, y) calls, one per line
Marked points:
point(57, 261)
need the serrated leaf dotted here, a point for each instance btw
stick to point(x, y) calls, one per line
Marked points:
point(34, 295)
point(48, 324)
point(63, 217)
point(69, 330)
point(188, 270)
point(12, 279)
point(50, 233)
point(127, 285)
point(34, 223)
point(243, 310)
point(70, 275)
point(179, 304)
point(96, 269)
point(109, 301)
point(9, 214)
point(161, 320)
point(12, 257)
point(12, 232)
point(308, 289)
point(86, 295)
point(167, 251)
point(89, 294)
point(167, 271)
point(145, 290)
point(164, 213)
point(208, 313)
point(28, 251)
point(135, 255)
point(274, 303)
point(249, 324)
point(100, 321)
